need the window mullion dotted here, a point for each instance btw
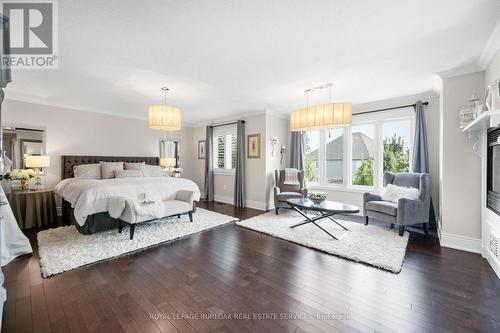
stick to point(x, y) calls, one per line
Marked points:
point(227, 151)
point(215, 158)
point(322, 158)
point(379, 163)
point(348, 157)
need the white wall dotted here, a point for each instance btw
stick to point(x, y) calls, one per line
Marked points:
point(277, 127)
point(259, 171)
point(255, 174)
point(355, 197)
point(492, 72)
point(460, 187)
point(72, 132)
point(198, 164)
point(256, 167)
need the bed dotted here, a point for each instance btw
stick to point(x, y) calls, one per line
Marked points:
point(85, 202)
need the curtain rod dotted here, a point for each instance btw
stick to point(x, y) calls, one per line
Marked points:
point(392, 108)
point(226, 124)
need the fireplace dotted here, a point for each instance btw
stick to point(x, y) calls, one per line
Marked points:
point(493, 171)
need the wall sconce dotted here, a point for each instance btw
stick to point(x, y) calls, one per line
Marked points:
point(274, 142)
point(283, 153)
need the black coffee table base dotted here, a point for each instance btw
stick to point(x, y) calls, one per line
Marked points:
point(317, 219)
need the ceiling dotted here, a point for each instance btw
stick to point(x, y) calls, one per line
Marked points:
point(223, 58)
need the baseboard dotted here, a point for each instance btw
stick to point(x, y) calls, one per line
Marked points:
point(256, 204)
point(494, 262)
point(457, 242)
point(248, 203)
point(223, 199)
point(438, 227)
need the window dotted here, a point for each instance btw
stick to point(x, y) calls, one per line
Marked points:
point(225, 149)
point(396, 146)
point(334, 156)
point(357, 156)
point(311, 156)
point(363, 154)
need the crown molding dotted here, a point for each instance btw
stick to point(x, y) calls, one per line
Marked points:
point(236, 117)
point(458, 71)
point(41, 101)
point(491, 48)
point(390, 102)
point(278, 114)
point(243, 116)
point(489, 51)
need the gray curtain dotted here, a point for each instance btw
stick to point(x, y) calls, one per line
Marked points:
point(420, 162)
point(297, 151)
point(239, 179)
point(420, 150)
point(209, 164)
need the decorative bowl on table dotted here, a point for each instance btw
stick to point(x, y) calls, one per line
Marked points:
point(317, 197)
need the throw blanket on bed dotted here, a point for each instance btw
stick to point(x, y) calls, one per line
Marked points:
point(149, 205)
point(291, 177)
point(91, 196)
point(146, 205)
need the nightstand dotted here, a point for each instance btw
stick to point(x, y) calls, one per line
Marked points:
point(33, 208)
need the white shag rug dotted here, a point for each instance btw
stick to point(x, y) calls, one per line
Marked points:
point(64, 248)
point(376, 246)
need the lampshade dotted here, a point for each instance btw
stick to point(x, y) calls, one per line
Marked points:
point(164, 117)
point(168, 161)
point(330, 115)
point(32, 161)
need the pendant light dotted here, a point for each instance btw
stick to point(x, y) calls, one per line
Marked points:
point(331, 115)
point(164, 117)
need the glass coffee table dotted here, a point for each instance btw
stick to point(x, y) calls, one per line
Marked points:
point(326, 210)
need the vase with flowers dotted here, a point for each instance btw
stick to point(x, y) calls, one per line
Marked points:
point(23, 175)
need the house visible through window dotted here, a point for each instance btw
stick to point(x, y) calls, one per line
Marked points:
point(334, 152)
point(311, 156)
point(363, 154)
point(358, 155)
point(225, 148)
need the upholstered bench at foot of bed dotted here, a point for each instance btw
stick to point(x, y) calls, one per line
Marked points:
point(123, 210)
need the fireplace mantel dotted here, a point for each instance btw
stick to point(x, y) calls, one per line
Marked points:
point(483, 122)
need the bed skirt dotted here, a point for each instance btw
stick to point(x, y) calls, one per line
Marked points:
point(94, 223)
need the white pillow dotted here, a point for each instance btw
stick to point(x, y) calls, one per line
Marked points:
point(87, 171)
point(134, 166)
point(152, 171)
point(394, 193)
point(108, 169)
point(128, 173)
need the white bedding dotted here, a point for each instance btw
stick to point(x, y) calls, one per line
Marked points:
point(91, 196)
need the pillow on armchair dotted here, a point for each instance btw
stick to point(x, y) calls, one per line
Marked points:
point(393, 193)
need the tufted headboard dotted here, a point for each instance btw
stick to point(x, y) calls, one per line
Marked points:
point(69, 161)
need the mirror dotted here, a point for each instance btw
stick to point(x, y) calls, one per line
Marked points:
point(30, 147)
point(20, 142)
point(169, 150)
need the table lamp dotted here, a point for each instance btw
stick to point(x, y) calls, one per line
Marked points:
point(37, 163)
point(167, 163)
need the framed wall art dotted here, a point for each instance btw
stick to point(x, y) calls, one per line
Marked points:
point(201, 149)
point(253, 146)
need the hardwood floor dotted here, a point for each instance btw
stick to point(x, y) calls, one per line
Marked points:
point(231, 271)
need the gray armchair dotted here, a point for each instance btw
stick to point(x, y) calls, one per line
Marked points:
point(284, 192)
point(406, 211)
